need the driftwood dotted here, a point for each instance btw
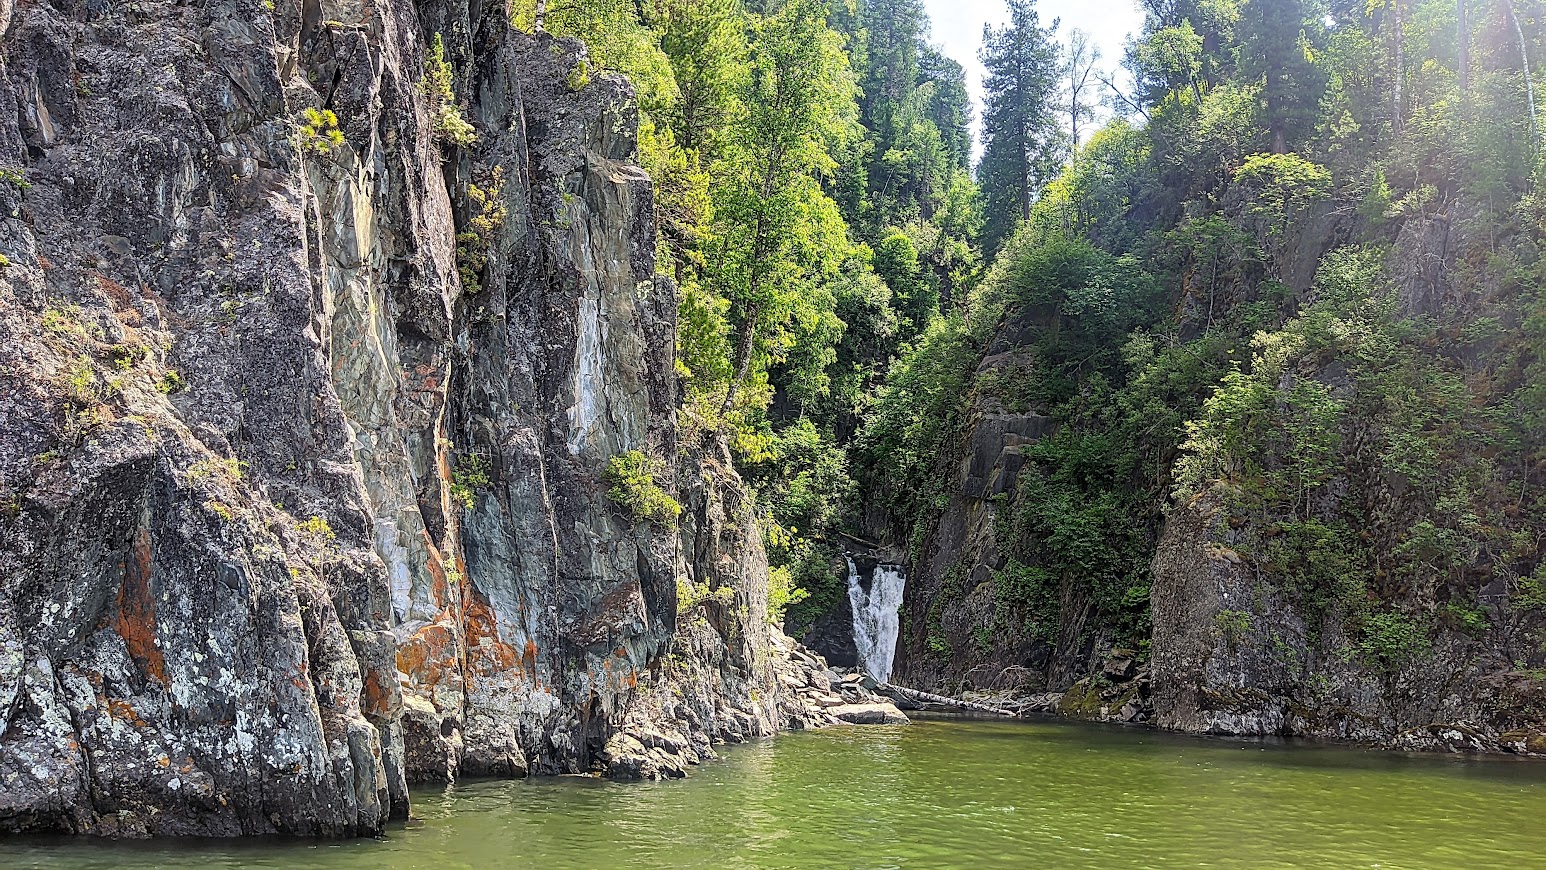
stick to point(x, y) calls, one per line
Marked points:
point(902, 693)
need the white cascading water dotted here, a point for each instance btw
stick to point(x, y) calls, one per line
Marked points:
point(876, 619)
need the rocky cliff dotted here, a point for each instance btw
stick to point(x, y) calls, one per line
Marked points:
point(1396, 601)
point(306, 400)
point(1339, 540)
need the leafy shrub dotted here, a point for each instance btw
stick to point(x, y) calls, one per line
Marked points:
point(79, 382)
point(1388, 640)
point(487, 217)
point(316, 527)
point(630, 479)
point(225, 469)
point(449, 125)
point(782, 593)
point(691, 596)
point(15, 178)
point(468, 478)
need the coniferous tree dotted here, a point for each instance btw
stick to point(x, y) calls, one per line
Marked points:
point(949, 105)
point(1024, 145)
point(1275, 48)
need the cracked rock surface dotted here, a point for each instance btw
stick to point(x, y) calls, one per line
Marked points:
point(303, 421)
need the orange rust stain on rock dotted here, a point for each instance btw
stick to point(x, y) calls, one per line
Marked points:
point(378, 693)
point(120, 709)
point(136, 621)
point(486, 653)
point(529, 657)
point(429, 657)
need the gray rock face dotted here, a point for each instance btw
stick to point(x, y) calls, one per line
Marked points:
point(879, 713)
point(949, 642)
point(303, 424)
point(1232, 655)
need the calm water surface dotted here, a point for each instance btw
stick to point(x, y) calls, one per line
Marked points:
point(951, 793)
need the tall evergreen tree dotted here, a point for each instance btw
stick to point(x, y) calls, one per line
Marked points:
point(1024, 144)
point(1275, 49)
point(949, 104)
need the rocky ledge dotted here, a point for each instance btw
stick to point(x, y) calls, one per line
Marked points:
point(666, 733)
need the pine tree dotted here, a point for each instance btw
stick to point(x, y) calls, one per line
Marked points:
point(1275, 47)
point(949, 105)
point(1024, 145)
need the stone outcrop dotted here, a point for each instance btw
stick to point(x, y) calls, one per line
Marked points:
point(1236, 652)
point(304, 414)
point(950, 603)
point(1234, 655)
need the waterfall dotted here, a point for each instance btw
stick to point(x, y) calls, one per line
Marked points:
point(876, 621)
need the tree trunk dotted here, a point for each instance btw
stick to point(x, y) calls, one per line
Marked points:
point(542, 10)
point(743, 356)
point(1524, 60)
point(1464, 61)
point(1398, 102)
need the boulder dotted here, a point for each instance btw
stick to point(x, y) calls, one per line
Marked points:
point(879, 713)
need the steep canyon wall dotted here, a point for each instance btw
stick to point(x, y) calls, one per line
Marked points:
point(304, 414)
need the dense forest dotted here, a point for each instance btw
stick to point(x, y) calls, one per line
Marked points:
point(1297, 270)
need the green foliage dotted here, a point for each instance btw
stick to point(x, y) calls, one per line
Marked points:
point(1388, 640)
point(1028, 594)
point(1023, 147)
point(1280, 188)
point(471, 476)
point(14, 177)
point(783, 593)
point(63, 320)
point(811, 570)
point(1530, 591)
point(690, 596)
point(318, 131)
point(487, 216)
point(1466, 618)
point(171, 382)
point(79, 382)
point(907, 436)
point(439, 89)
point(1232, 625)
point(808, 484)
point(630, 479)
point(319, 537)
point(1276, 47)
point(227, 469)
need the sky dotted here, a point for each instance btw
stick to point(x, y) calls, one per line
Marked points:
point(957, 26)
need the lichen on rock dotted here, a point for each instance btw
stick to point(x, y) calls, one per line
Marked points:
point(244, 588)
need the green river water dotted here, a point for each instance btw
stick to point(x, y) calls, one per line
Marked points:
point(967, 793)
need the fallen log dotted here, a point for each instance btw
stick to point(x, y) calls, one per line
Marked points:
point(920, 697)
